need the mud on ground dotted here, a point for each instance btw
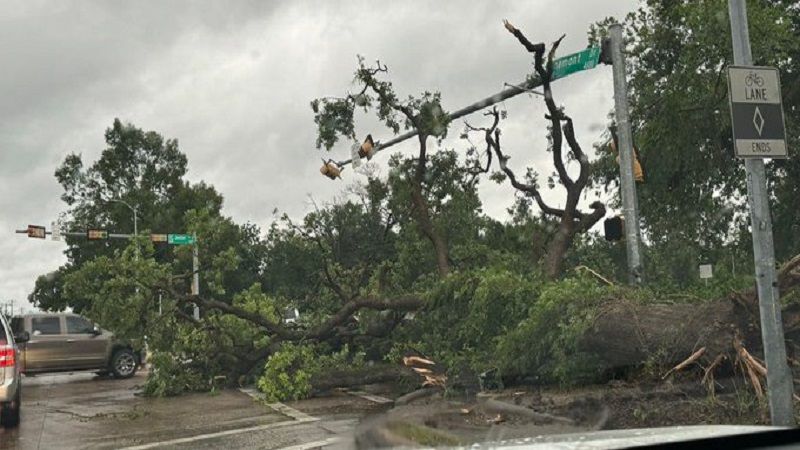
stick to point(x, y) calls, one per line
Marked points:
point(450, 419)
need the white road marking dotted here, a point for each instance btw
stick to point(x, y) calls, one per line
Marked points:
point(201, 437)
point(315, 444)
point(280, 407)
point(370, 397)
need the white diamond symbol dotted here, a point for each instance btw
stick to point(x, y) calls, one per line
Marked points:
point(758, 121)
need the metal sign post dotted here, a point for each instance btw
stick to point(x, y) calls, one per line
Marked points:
point(779, 378)
point(195, 276)
point(630, 211)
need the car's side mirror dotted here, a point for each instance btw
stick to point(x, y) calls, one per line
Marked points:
point(96, 330)
point(22, 337)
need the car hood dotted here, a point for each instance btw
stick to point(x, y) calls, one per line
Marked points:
point(618, 439)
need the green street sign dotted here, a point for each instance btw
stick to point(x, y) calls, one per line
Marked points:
point(180, 239)
point(583, 60)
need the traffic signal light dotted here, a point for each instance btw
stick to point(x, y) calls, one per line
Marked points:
point(638, 173)
point(96, 235)
point(614, 228)
point(605, 51)
point(331, 170)
point(36, 231)
point(158, 238)
point(367, 148)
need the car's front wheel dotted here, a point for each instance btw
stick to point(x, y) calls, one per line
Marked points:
point(123, 363)
point(9, 415)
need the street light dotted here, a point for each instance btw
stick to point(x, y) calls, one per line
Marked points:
point(135, 210)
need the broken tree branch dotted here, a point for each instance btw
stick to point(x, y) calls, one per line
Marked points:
point(493, 141)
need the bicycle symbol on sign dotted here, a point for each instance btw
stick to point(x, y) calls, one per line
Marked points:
point(754, 78)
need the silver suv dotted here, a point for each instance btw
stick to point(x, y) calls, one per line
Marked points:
point(68, 342)
point(10, 385)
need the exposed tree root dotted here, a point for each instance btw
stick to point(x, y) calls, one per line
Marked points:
point(708, 375)
point(754, 370)
point(691, 359)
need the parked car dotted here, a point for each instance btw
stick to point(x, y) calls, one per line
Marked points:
point(68, 342)
point(10, 385)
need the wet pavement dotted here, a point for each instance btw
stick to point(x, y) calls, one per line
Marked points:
point(84, 411)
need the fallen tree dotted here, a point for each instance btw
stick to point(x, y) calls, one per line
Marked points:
point(706, 334)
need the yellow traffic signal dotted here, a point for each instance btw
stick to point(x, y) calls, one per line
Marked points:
point(95, 235)
point(638, 173)
point(367, 148)
point(331, 170)
point(36, 231)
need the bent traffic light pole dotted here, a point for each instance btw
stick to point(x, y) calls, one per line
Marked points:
point(513, 91)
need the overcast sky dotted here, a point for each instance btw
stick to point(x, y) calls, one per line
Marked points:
point(232, 81)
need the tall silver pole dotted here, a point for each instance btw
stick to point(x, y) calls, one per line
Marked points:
point(779, 377)
point(195, 277)
point(136, 230)
point(625, 137)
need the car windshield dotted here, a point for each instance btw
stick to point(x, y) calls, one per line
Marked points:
point(313, 224)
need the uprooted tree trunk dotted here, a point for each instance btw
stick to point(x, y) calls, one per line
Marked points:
point(724, 331)
point(379, 373)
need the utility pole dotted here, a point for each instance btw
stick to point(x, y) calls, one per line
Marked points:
point(195, 277)
point(135, 210)
point(630, 210)
point(779, 378)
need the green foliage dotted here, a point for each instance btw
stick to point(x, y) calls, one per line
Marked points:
point(48, 291)
point(144, 170)
point(335, 117)
point(466, 313)
point(545, 343)
point(169, 376)
point(288, 372)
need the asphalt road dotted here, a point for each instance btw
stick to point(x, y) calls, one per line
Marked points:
point(83, 411)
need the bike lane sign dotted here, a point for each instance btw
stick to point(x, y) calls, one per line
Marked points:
point(759, 130)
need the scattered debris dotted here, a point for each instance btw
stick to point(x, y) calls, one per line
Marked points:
point(429, 370)
point(497, 419)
